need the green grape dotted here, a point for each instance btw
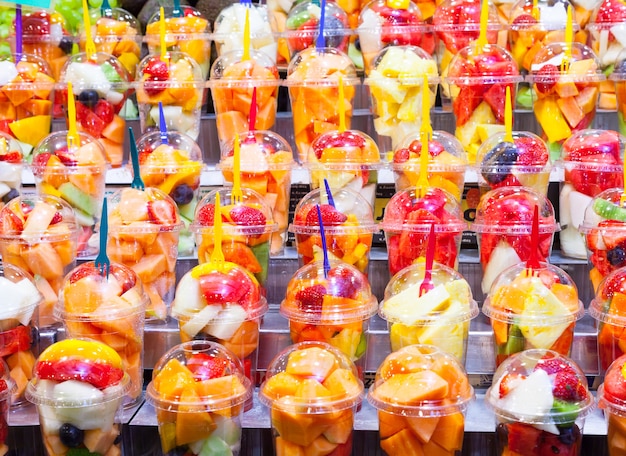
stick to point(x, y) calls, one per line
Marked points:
point(7, 15)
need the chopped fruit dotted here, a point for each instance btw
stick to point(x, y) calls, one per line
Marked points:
point(162, 212)
point(310, 299)
point(330, 216)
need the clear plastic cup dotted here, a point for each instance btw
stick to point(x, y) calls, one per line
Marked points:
point(418, 419)
point(346, 159)
point(109, 309)
point(19, 321)
point(313, 391)
point(266, 161)
point(101, 88)
point(203, 414)
point(188, 32)
point(395, 84)
point(11, 166)
point(173, 168)
point(447, 163)
point(78, 176)
point(349, 228)
point(246, 232)
point(535, 413)
point(313, 83)
point(619, 79)
point(6, 389)
point(408, 218)
point(178, 84)
point(612, 401)
point(592, 162)
point(144, 228)
point(232, 83)
point(503, 222)
point(223, 305)
point(278, 11)
point(524, 162)
point(533, 308)
point(39, 234)
point(78, 388)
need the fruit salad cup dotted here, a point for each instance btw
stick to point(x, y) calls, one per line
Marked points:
point(478, 80)
point(408, 218)
point(313, 391)
point(6, 389)
point(187, 32)
point(395, 82)
point(592, 162)
point(313, 82)
point(233, 81)
point(101, 87)
point(178, 84)
point(532, 308)
point(197, 389)
point(540, 400)
point(77, 175)
point(78, 388)
point(109, 309)
point(439, 317)
point(18, 333)
point(503, 222)
point(524, 162)
point(11, 159)
point(247, 227)
point(333, 307)
point(612, 399)
point(144, 228)
point(447, 163)
point(39, 234)
point(428, 417)
point(349, 228)
point(174, 168)
point(266, 160)
point(224, 305)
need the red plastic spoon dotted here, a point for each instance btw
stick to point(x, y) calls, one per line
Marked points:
point(427, 283)
point(534, 262)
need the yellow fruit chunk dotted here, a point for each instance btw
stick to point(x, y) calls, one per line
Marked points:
point(412, 388)
point(551, 119)
point(31, 130)
point(311, 362)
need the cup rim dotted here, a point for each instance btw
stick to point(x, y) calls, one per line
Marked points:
point(335, 316)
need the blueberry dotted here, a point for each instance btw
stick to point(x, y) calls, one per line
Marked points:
point(66, 44)
point(183, 194)
point(71, 436)
point(357, 44)
point(13, 193)
point(569, 435)
point(616, 256)
point(89, 98)
point(499, 161)
point(620, 67)
point(335, 35)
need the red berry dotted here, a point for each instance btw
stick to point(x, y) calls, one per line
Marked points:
point(152, 86)
point(568, 387)
point(104, 110)
point(401, 155)
point(310, 299)
point(158, 69)
point(41, 160)
point(554, 366)
point(206, 214)
point(508, 382)
point(205, 367)
point(524, 21)
point(531, 152)
point(84, 271)
point(12, 156)
point(15, 340)
point(162, 212)
point(66, 157)
point(615, 283)
point(546, 78)
point(247, 216)
point(56, 218)
point(343, 282)
point(330, 216)
point(218, 288)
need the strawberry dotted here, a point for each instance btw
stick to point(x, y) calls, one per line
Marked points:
point(508, 382)
point(523, 438)
point(162, 212)
point(343, 282)
point(495, 97)
point(12, 156)
point(41, 160)
point(218, 288)
point(468, 99)
point(205, 367)
point(82, 272)
point(247, 216)
point(206, 214)
point(554, 366)
point(104, 110)
point(344, 139)
point(330, 216)
point(310, 299)
point(66, 157)
point(523, 21)
point(615, 283)
point(546, 77)
point(401, 155)
point(568, 387)
point(157, 69)
point(56, 218)
point(531, 152)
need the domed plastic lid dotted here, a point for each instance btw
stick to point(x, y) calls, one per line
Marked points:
point(611, 394)
point(323, 67)
point(230, 22)
point(108, 22)
point(314, 364)
point(213, 376)
point(608, 304)
point(490, 64)
point(544, 296)
point(20, 295)
point(53, 156)
point(103, 73)
point(538, 396)
point(302, 25)
point(10, 149)
point(142, 211)
point(510, 210)
point(250, 217)
point(352, 213)
point(415, 64)
point(605, 16)
point(210, 294)
point(409, 211)
point(342, 296)
point(350, 149)
point(596, 150)
point(35, 219)
point(230, 70)
point(29, 69)
point(180, 154)
point(584, 65)
point(552, 16)
point(182, 26)
point(605, 211)
point(95, 365)
point(7, 385)
point(449, 303)
point(179, 61)
point(447, 14)
point(445, 153)
point(378, 14)
point(260, 151)
point(399, 384)
point(41, 26)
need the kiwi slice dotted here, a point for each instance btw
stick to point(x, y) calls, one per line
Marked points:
point(609, 210)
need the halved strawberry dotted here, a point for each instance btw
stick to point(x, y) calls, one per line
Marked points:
point(218, 288)
point(205, 367)
point(330, 216)
point(247, 216)
point(162, 212)
point(508, 382)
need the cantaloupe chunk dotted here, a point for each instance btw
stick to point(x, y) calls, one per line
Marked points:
point(412, 388)
point(24, 360)
point(193, 423)
point(230, 123)
point(66, 251)
point(150, 267)
point(402, 443)
point(43, 260)
point(114, 450)
point(299, 428)
point(287, 448)
point(126, 326)
point(422, 426)
point(282, 384)
point(20, 379)
point(457, 381)
point(340, 426)
point(114, 151)
point(342, 382)
point(122, 251)
point(115, 130)
point(320, 447)
point(156, 307)
point(570, 109)
point(311, 362)
point(79, 328)
point(7, 111)
point(17, 94)
point(389, 424)
point(227, 385)
point(38, 107)
point(98, 441)
point(432, 449)
point(166, 244)
point(53, 444)
point(173, 379)
point(245, 340)
point(310, 388)
point(449, 432)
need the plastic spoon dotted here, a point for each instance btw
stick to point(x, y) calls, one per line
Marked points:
point(425, 131)
point(90, 47)
point(320, 43)
point(236, 193)
point(162, 125)
point(323, 236)
point(481, 42)
point(427, 283)
point(329, 194)
point(72, 133)
point(533, 259)
point(18, 33)
point(508, 117)
point(134, 156)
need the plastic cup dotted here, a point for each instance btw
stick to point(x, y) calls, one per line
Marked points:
point(349, 228)
point(533, 308)
point(619, 79)
point(534, 414)
point(611, 399)
point(18, 332)
point(348, 159)
point(447, 163)
point(592, 162)
point(503, 222)
point(77, 175)
point(278, 12)
point(203, 415)
point(266, 160)
point(319, 408)
point(101, 87)
point(428, 420)
point(11, 159)
point(144, 228)
point(189, 33)
point(246, 236)
point(313, 83)
point(224, 306)
point(78, 408)
point(408, 218)
point(42, 246)
point(395, 84)
point(173, 168)
point(232, 83)
point(6, 389)
point(179, 88)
